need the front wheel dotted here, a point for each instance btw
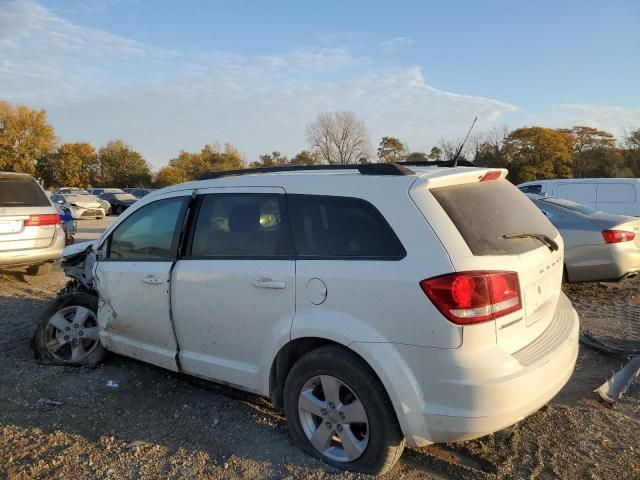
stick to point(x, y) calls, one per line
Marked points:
point(66, 331)
point(338, 410)
point(38, 270)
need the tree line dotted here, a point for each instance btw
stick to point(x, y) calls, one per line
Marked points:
point(28, 144)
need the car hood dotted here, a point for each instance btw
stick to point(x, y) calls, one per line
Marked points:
point(77, 248)
point(86, 204)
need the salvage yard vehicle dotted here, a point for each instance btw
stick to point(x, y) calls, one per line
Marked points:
point(598, 246)
point(119, 201)
point(612, 195)
point(30, 228)
point(80, 206)
point(376, 304)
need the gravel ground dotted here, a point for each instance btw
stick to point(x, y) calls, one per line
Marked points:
point(65, 422)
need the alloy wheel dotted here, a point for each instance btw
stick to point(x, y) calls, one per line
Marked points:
point(72, 334)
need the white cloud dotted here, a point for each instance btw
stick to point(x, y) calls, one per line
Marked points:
point(97, 86)
point(396, 42)
point(614, 119)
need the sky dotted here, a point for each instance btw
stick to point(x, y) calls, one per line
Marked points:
point(165, 76)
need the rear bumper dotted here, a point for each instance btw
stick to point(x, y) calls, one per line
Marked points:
point(464, 395)
point(34, 256)
point(600, 263)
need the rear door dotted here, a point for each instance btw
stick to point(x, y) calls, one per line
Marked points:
point(133, 279)
point(24, 207)
point(235, 286)
point(480, 213)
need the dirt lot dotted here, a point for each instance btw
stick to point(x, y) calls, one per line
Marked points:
point(64, 422)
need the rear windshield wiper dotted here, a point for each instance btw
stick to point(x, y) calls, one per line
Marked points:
point(548, 242)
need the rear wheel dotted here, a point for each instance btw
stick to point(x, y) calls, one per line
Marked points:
point(338, 410)
point(67, 332)
point(37, 270)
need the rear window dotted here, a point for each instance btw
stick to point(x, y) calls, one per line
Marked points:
point(331, 227)
point(21, 191)
point(484, 212)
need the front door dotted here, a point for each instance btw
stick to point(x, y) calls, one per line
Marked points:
point(133, 282)
point(234, 287)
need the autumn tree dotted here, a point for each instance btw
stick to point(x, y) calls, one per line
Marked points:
point(594, 153)
point(72, 164)
point(537, 153)
point(339, 138)
point(631, 152)
point(210, 158)
point(169, 175)
point(416, 157)
point(122, 166)
point(25, 137)
point(391, 149)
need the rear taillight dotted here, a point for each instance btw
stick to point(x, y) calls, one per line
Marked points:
point(494, 175)
point(473, 297)
point(42, 220)
point(617, 236)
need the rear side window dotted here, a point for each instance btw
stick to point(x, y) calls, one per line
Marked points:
point(329, 227)
point(485, 211)
point(21, 191)
point(616, 193)
point(531, 189)
point(242, 225)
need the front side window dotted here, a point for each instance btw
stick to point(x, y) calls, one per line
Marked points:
point(326, 227)
point(150, 233)
point(242, 225)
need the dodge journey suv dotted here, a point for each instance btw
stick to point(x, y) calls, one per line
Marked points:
point(377, 305)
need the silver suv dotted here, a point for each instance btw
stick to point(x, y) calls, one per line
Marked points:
point(30, 229)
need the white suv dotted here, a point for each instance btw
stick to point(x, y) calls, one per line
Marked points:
point(373, 304)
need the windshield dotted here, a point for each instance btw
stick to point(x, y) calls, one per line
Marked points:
point(569, 205)
point(124, 196)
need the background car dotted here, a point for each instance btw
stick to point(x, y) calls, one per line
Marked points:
point(80, 206)
point(139, 192)
point(613, 195)
point(77, 190)
point(30, 229)
point(599, 246)
point(119, 201)
point(99, 191)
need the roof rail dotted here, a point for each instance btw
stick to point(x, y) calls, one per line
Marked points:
point(364, 169)
point(439, 163)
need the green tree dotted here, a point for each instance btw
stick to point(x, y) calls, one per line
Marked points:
point(594, 153)
point(25, 137)
point(274, 159)
point(305, 157)
point(391, 149)
point(631, 152)
point(416, 157)
point(436, 154)
point(537, 153)
point(72, 164)
point(121, 166)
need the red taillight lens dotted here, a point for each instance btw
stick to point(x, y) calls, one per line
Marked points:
point(42, 220)
point(494, 175)
point(617, 236)
point(473, 297)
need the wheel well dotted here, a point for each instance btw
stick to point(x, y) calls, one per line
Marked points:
point(286, 359)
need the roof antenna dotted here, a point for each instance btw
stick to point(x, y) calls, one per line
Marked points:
point(455, 157)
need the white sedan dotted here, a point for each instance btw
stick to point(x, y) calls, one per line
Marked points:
point(79, 206)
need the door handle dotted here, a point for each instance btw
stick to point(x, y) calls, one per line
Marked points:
point(151, 280)
point(269, 283)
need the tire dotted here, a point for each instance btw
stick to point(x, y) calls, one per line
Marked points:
point(37, 270)
point(59, 336)
point(118, 211)
point(378, 443)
